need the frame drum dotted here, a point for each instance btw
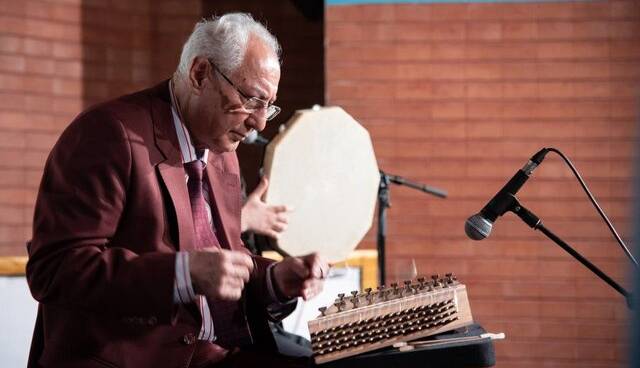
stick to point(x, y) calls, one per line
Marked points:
point(324, 167)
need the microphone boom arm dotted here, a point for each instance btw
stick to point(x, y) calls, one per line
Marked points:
point(399, 180)
point(535, 223)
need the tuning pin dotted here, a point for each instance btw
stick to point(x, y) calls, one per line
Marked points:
point(354, 298)
point(368, 291)
point(341, 296)
point(322, 310)
point(338, 305)
point(450, 278)
point(421, 281)
point(369, 297)
point(435, 279)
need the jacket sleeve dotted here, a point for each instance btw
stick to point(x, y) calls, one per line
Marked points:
point(82, 196)
point(261, 289)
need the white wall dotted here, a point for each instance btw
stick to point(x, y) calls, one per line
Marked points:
point(17, 319)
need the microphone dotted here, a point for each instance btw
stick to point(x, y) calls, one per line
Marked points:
point(479, 225)
point(254, 138)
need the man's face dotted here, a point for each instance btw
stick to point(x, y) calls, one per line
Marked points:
point(219, 121)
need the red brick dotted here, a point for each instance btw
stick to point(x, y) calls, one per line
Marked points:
point(33, 178)
point(12, 63)
point(40, 103)
point(11, 215)
point(445, 51)
point(624, 70)
point(573, 70)
point(553, 11)
point(483, 71)
point(440, 12)
point(13, 234)
point(372, 52)
point(66, 12)
point(484, 110)
point(624, 50)
point(11, 25)
point(363, 72)
point(487, 11)
point(52, 30)
point(449, 110)
point(449, 31)
point(591, 10)
point(40, 141)
point(592, 30)
point(66, 105)
point(37, 47)
point(65, 50)
point(39, 66)
point(624, 9)
point(11, 44)
point(519, 70)
point(519, 30)
point(342, 32)
point(71, 69)
point(38, 10)
point(404, 12)
point(174, 8)
point(447, 71)
point(485, 31)
point(365, 90)
point(413, 90)
point(556, 30)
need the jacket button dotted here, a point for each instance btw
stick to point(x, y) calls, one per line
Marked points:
point(189, 339)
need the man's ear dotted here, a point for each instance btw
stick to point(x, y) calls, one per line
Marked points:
point(200, 68)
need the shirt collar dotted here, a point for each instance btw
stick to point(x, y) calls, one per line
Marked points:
point(187, 149)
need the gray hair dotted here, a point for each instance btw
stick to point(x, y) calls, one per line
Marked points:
point(223, 39)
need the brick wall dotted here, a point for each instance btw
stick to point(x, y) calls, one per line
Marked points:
point(58, 57)
point(460, 96)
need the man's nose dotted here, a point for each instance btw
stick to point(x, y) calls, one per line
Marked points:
point(256, 122)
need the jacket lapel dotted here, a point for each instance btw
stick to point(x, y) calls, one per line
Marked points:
point(224, 189)
point(169, 167)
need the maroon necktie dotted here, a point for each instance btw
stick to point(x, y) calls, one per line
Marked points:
point(204, 231)
point(230, 324)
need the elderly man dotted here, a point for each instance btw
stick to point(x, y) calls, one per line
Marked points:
point(136, 256)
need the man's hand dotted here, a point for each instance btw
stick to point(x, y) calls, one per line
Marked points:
point(300, 276)
point(220, 273)
point(261, 218)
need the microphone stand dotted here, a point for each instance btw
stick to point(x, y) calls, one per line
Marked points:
point(535, 223)
point(384, 202)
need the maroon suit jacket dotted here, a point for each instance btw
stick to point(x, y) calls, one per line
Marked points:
point(112, 210)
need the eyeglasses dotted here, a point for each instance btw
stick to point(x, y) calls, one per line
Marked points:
point(254, 105)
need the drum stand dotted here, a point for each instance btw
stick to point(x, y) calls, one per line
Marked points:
point(384, 202)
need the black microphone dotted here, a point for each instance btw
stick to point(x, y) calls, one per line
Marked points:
point(479, 225)
point(254, 138)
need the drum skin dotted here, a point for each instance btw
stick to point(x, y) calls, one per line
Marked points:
point(324, 167)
